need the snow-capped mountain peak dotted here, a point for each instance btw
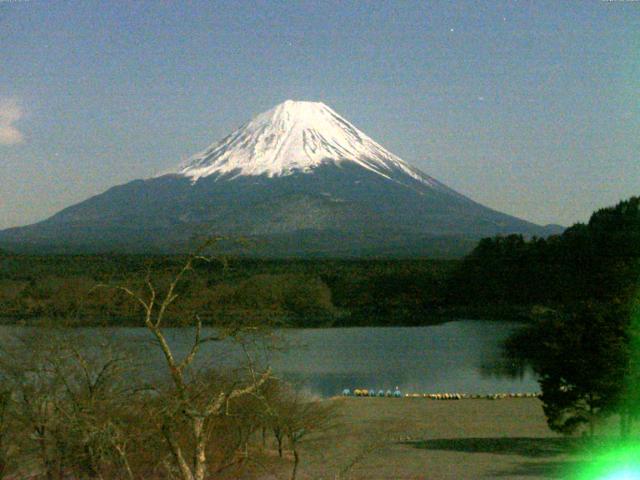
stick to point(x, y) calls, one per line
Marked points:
point(294, 136)
point(325, 188)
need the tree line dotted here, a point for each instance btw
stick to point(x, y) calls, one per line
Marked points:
point(596, 261)
point(507, 277)
point(290, 292)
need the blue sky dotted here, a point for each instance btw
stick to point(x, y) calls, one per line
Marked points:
point(531, 108)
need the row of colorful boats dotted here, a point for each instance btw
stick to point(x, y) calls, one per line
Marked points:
point(364, 392)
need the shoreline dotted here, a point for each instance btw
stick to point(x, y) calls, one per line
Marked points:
point(447, 440)
point(131, 322)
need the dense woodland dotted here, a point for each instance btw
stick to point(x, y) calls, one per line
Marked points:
point(504, 277)
point(597, 261)
point(291, 292)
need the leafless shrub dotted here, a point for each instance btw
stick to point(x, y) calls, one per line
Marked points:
point(65, 395)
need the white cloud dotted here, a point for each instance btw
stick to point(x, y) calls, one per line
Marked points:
point(10, 112)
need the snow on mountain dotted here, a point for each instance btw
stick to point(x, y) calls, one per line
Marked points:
point(292, 137)
point(299, 180)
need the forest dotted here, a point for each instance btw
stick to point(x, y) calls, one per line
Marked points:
point(289, 292)
point(505, 277)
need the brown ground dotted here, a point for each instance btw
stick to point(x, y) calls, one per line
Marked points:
point(381, 438)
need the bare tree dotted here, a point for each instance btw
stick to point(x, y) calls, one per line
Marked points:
point(305, 419)
point(189, 401)
point(368, 449)
point(295, 418)
point(66, 395)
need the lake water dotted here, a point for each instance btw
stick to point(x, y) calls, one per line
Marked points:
point(451, 357)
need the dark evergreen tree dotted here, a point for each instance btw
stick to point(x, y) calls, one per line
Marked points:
point(581, 360)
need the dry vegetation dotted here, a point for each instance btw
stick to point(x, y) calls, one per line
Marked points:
point(77, 407)
point(75, 404)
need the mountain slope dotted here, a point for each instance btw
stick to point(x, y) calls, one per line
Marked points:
point(299, 179)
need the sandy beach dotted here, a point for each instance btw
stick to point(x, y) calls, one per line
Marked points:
point(380, 438)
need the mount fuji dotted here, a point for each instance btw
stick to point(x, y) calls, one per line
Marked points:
point(299, 180)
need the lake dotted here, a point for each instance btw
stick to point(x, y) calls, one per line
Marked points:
point(451, 357)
